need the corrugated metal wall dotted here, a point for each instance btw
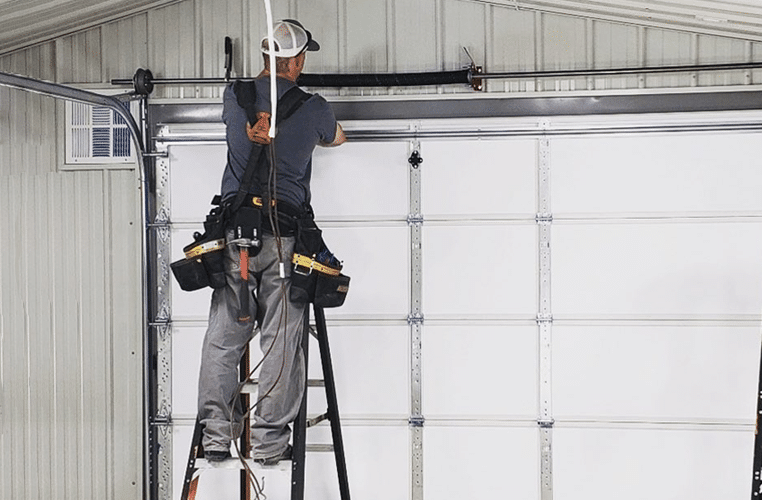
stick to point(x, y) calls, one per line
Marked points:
point(70, 340)
point(186, 40)
point(70, 240)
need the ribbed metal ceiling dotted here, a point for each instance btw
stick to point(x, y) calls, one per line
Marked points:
point(731, 18)
point(28, 22)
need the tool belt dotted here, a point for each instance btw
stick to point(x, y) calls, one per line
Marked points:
point(316, 272)
point(316, 275)
point(204, 263)
point(287, 214)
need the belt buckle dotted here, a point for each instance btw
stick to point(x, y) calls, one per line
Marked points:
point(297, 270)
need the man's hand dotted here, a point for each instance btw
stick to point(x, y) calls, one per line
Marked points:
point(259, 132)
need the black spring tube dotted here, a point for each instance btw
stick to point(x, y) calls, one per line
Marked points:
point(385, 79)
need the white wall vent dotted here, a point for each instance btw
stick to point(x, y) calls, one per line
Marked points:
point(96, 135)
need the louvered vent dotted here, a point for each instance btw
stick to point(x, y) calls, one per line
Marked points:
point(96, 134)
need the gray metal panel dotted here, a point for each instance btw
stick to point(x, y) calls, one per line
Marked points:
point(464, 26)
point(170, 52)
point(615, 45)
point(326, 21)
point(512, 47)
point(668, 47)
point(185, 39)
point(414, 46)
point(712, 49)
point(31, 22)
point(718, 17)
point(78, 57)
point(28, 131)
point(27, 121)
point(369, 109)
point(123, 226)
point(125, 49)
point(70, 337)
point(366, 36)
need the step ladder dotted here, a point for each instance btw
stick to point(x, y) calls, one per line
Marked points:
point(299, 447)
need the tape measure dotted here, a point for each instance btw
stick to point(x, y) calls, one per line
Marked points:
point(311, 264)
point(205, 247)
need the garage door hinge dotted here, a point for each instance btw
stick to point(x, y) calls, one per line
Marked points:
point(156, 154)
point(162, 420)
point(416, 421)
point(546, 424)
point(415, 219)
point(544, 318)
point(415, 319)
point(543, 218)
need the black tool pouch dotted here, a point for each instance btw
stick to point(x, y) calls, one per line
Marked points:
point(190, 274)
point(204, 262)
point(316, 276)
point(330, 291)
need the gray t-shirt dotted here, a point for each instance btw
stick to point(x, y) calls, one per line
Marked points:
point(312, 124)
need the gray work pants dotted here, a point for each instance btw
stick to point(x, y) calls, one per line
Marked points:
point(282, 374)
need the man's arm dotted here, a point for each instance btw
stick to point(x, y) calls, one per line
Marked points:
point(339, 139)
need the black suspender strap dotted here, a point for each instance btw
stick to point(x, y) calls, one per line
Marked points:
point(255, 176)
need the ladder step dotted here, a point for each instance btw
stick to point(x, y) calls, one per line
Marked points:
point(316, 420)
point(319, 448)
point(235, 462)
point(250, 387)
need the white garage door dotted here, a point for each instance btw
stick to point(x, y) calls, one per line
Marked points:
point(563, 308)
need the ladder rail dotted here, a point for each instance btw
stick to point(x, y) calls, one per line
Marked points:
point(332, 402)
point(300, 425)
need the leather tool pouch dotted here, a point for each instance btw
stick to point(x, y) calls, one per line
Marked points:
point(204, 262)
point(316, 273)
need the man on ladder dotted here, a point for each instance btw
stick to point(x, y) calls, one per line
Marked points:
point(258, 266)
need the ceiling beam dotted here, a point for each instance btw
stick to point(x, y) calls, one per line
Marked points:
point(733, 19)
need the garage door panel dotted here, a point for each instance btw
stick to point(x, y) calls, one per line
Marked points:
point(195, 171)
point(377, 463)
point(484, 177)
point(361, 180)
point(186, 361)
point(480, 370)
point(655, 373)
point(644, 173)
point(659, 268)
point(635, 463)
point(370, 367)
point(648, 346)
point(376, 259)
point(479, 269)
point(480, 462)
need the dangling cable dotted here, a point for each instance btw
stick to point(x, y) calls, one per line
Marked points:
point(252, 479)
point(273, 216)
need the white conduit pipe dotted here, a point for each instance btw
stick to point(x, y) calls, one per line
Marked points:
point(273, 71)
